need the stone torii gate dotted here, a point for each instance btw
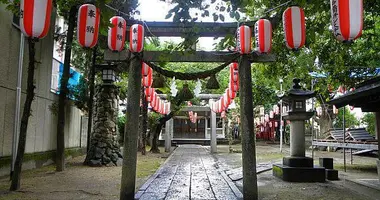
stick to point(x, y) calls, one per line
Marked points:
point(171, 29)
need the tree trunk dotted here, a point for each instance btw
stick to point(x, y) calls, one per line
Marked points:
point(60, 157)
point(156, 134)
point(15, 185)
point(325, 124)
point(91, 98)
point(144, 125)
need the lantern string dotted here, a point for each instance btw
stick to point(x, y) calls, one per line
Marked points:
point(187, 76)
point(117, 10)
point(274, 8)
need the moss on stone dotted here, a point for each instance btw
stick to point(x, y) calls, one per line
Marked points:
point(277, 171)
point(43, 156)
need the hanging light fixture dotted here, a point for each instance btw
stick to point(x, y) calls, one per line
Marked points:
point(35, 17)
point(88, 25)
point(294, 27)
point(347, 19)
point(263, 35)
point(116, 34)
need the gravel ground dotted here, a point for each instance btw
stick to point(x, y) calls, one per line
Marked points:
point(270, 187)
point(82, 182)
point(78, 181)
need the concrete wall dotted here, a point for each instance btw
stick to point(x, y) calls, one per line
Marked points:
point(41, 134)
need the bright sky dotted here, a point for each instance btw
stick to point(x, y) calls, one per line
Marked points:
point(156, 10)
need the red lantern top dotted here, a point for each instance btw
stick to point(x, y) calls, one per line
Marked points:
point(35, 17)
point(347, 19)
point(88, 25)
point(294, 27)
point(263, 35)
point(243, 43)
point(116, 34)
point(136, 38)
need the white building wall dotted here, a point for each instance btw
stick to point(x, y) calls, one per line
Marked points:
point(41, 134)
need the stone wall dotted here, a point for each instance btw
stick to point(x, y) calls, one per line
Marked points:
point(105, 148)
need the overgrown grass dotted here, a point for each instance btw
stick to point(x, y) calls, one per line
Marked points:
point(358, 167)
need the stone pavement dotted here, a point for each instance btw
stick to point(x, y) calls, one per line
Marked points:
point(191, 172)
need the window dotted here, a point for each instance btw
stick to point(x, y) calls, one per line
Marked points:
point(298, 104)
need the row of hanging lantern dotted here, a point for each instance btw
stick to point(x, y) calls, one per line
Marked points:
point(346, 16)
point(347, 25)
point(155, 102)
point(225, 101)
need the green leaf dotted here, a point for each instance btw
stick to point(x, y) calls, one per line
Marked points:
point(237, 15)
point(215, 17)
point(221, 17)
point(168, 16)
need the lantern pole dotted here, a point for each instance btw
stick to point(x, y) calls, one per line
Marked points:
point(247, 131)
point(16, 128)
point(128, 176)
point(281, 127)
point(91, 98)
point(344, 137)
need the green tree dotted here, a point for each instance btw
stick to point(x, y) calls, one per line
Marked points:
point(350, 119)
point(369, 120)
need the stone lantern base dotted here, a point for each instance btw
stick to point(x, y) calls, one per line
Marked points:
point(299, 169)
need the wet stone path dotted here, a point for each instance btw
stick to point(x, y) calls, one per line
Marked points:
point(191, 172)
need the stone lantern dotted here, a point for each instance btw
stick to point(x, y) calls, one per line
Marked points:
point(104, 147)
point(297, 167)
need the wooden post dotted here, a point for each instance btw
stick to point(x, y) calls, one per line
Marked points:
point(247, 132)
point(213, 131)
point(128, 176)
point(168, 132)
point(377, 126)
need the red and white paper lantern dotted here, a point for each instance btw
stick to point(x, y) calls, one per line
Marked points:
point(136, 38)
point(145, 69)
point(347, 19)
point(266, 117)
point(234, 73)
point(153, 100)
point(147, 80)
point(234, 86)
point(294, 27)
point(244, 37)
point(88, 25)
point(231, 93)
point(35, 17)
point(263, 35)
point(149, 91)
point(227, 101)
point(116, 34)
